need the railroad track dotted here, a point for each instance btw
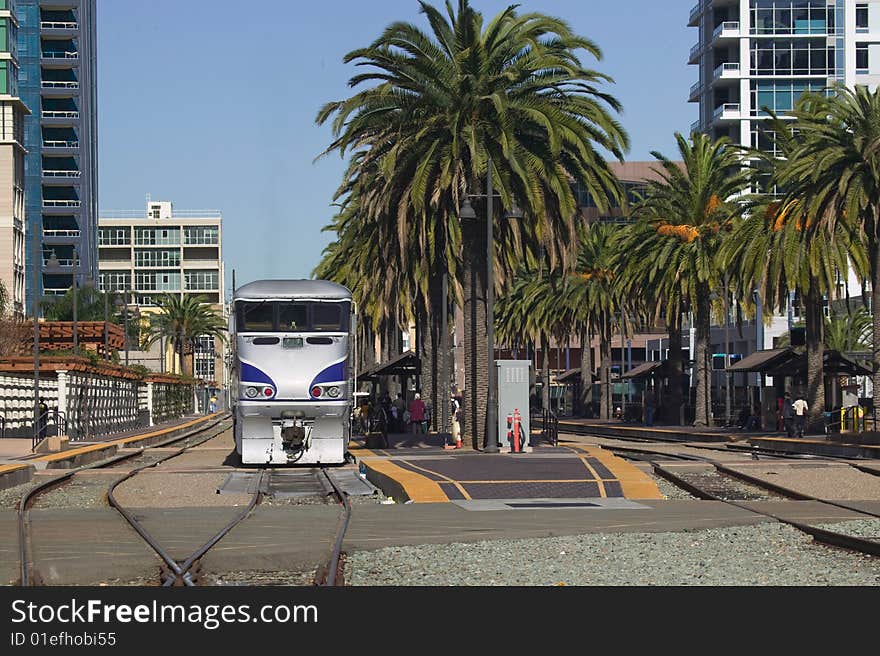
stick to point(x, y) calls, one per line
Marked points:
point(754, 451)
point(700, 486)
point(331, 574)
point(29, 574)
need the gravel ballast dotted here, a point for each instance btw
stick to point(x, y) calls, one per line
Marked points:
point(763, 555)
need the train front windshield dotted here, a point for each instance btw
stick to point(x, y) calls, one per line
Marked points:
point(291, 316)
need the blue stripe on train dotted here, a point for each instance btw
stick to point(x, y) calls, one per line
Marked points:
point(335, 373)
point(250, 374)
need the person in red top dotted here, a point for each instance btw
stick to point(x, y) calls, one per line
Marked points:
point(417, 414)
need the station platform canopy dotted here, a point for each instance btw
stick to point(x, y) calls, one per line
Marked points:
point(789, 362)
point(405, 364)
point(572, 376)
point(648, 369)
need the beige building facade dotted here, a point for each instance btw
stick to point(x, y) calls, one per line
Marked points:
point(12, 152)
point(145, 254)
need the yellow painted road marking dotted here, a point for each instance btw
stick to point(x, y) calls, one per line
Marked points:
point(635, 483)
point(602, 493)
point(446, 478)
point(420, 489)
point(548, 480)
point(8, 468)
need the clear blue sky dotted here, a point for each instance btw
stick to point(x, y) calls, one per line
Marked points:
point(212, 105)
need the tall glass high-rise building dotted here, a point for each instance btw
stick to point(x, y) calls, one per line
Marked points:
point(757, 54)
point(760, 55)
point(57, 82)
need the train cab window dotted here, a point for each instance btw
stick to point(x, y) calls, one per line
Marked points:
point(327, 317)
point(256, 317)
point(292, 316)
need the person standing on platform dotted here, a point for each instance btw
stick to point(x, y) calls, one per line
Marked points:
point(417, 414)
point(43, 418)
point(787, 415)
point(800, 408)
point(397, 408)
point(649, 408)
point(455, 408)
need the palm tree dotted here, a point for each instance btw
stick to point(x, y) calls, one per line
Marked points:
point(849, 332)
point(773, 252)
point(445, 103)
point(682, 222)
point(181, 320)
point(89, 305)
point(595, 294)
point(835, 170)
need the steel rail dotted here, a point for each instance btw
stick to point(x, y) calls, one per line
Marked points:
point(184, 574)
point(342, 527)
point(136, 525)
point(24, 538)
point(823, 536)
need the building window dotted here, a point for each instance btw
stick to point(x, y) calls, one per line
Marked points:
point(201, 235)
point(861, 58)
point(862, 18)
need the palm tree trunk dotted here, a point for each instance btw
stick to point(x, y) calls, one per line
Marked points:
point(815, 361)
point(606, 397)
point(475, 337)
point(701, 357)
point(586, 370)
point(874, 251)
point(545, 372)
point(428, 322)
point(674, 371)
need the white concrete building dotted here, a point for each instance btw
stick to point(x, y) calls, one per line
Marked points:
point(757, 54)
point(157, 251)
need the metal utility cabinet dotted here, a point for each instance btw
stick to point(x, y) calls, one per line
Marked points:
point(513, 396)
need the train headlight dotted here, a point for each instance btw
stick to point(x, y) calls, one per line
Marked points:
point(317, 391)
point(333, 392)
point(268, 392)
point(251, 392)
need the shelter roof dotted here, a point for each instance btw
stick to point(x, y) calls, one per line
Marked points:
point(405, 364)
point(764, 361)
point(645, 369)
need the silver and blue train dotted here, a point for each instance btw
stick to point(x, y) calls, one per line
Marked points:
point(291, 373)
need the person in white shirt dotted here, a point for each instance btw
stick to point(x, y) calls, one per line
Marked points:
point(800, 408)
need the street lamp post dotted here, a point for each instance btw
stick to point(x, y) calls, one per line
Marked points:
point(122, 305)
point(467, 212)
point(106, 324)
point(75, 330)
point(37, 266)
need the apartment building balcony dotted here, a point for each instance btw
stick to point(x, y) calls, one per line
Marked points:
point(728, 71)
point(54, 174)
point(201, 264)
point(60, 146)
point(114, 265)
point(696, 12)
point(60, 263)
point(60, 236)
point(59, 116)
point(727, 30)
point(60, 86)
point(58, 56)
point(60, 203)
point(727, 112)
point(55, 291)
point(697, 126)
point(696, 53)
point(695, 92)
point(59, 28)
